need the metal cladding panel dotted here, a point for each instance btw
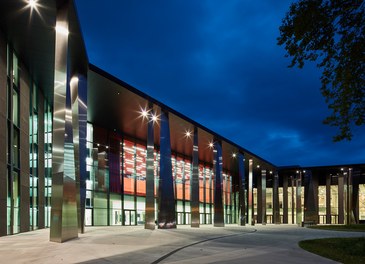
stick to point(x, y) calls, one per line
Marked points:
point(299, 198)
point(195, 214)
point(166, 214)
point(310, 198)
point(150, 177)
point(276, 206)
point(218, 203)
point(263, 196)
point(242, 197)
point(64, 204)
point(250, 185)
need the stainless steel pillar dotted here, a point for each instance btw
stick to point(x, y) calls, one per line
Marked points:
point(275, 199)
point(263, 197)
point(341, 210)
point(166, 214)
point(285, 200)
point(355, 195)
point(195, 215)
point(249, 198)
point(218, 203)
point(79, 123)
point(298, 182)
point(241, 182)
point(310, 197)
point(64, 209)
point(328, 199)
point(150, 177)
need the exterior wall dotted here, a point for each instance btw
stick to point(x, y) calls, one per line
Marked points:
point(24, 149)
point(3, 137)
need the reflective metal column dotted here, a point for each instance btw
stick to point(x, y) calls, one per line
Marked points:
point(285, 200)
point(249, 198)
point(218, 203)
point(258, 177)
point(328, 199)
point(82, 106)
point(79, 123)
point(195, 215)
point(299, 198)
point(64, 209)
point(310, 197)
point(263, 197)
point(150, 177)
point(275, 199)
point(242, 198)
point(166, 214)
point(341, 216)
point(355, 194)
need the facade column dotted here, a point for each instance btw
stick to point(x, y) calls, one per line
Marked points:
point(275, 199)
point(263, 197)
point(166, 214)
point(241, 191)
point(341, 217)
point(328, 199)
point(285, 200)
point(150, 177)
point(258, 176)
point(218, 203)
point(195, 214)
point(250, 193)
point(350, 218)
point(355, 194)
point(79, 122)
point(310, 197)
point(64, 209)
point(298, 182)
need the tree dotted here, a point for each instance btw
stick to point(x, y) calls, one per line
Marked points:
point(331, 33)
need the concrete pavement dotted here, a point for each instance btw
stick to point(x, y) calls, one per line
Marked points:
point(207, 244)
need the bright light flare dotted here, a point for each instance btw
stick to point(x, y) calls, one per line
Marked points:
point(234, 155)
point(211, 144)
point(188, 134)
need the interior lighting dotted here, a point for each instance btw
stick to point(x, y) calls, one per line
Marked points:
point(258, 166)
point(234, 155)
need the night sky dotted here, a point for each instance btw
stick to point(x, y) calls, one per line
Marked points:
point(218, 63)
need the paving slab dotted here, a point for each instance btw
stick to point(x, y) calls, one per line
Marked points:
point(134, 244)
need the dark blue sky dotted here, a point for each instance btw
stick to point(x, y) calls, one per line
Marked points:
point(218, 63)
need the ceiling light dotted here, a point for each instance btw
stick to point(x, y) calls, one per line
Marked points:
point(234, 155)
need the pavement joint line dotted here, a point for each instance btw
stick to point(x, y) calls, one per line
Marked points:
point(199, 242)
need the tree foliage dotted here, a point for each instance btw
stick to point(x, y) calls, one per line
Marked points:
point(331, 33)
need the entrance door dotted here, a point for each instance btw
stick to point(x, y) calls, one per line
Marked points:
point(129, 217)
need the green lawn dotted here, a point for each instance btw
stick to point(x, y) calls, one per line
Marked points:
point(345, 250)
point(357, 228)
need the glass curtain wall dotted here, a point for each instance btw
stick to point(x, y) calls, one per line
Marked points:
point(33, 157)
point(116, 183)
point(47, 162)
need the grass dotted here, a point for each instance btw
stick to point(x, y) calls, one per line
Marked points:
point(345, 250)
point(356, 228)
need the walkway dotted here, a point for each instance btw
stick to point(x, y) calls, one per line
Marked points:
point(232, 244)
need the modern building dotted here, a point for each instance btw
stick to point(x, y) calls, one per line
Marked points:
point(82, 148)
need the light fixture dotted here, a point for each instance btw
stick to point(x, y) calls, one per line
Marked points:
point(154, 118)
point(210, 144)
point(258, 166)
point(234, 155)
point(270, 172)
point(62, 30)
point(32, 3)
point(187, 134)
